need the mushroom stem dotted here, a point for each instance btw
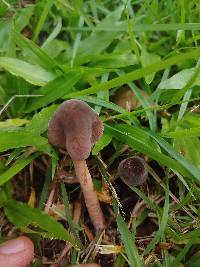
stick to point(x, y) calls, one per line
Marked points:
point(91, 200)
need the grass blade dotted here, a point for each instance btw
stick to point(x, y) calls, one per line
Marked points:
point(50, 91)
point(16, 167)
point(128, 240)
point(31, 73)
point(163, 224)
point(45, 11)
point(137, 74)
point(134, 137)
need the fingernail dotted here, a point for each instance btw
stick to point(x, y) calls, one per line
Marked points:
point(12, 246)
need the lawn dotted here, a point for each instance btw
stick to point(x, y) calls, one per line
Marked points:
point(137, 65)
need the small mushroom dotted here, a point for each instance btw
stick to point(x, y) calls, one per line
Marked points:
point(76, 127)
point(133, 171)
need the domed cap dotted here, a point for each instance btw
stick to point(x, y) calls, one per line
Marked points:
point(75, 127)
point(133, 171)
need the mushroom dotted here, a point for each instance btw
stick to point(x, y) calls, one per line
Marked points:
point(76, 127)
point(133, 171)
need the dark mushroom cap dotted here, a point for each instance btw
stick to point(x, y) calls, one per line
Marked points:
point(133, 171)
point(75, 127)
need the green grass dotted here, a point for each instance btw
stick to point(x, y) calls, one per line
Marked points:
point(51, 51)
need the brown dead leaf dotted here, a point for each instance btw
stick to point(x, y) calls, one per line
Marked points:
point(58, 211)
point(104, 197)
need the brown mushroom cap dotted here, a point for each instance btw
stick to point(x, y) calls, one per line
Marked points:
point(133, 171)
point(75, 127)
